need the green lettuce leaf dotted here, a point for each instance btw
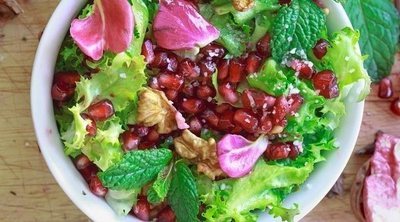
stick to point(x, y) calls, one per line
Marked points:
point(141, 12)
point(159, 189)
point(70, 58)
point(287, 214)
point(121, 201)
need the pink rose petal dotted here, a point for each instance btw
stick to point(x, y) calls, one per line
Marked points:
point(110, 27)
point(178, 26)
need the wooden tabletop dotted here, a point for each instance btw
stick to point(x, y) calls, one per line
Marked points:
point(28, 192)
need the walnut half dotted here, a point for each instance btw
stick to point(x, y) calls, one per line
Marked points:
point(242, 5)
point(199, 151)
point(154, 109)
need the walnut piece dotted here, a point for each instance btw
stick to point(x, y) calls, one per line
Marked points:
point(154, 109)
point(242, 5)
point(199, 151)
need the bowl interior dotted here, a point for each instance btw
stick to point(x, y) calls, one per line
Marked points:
point(62, 168)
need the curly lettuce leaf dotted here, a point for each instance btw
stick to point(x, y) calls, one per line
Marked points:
point(345, 59)
point(121, 201)
point(70, 58)
point(141, 13)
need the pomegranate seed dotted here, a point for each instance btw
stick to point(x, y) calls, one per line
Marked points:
point(192, 106)
point(284, 2)
point(101, 111)
point(166, 215)
point(264, 46)
point(294, 101)
point(153, 83)
point(295, 150)
point(91, 127)
point(235, 71)
point(245, 120)
point(169, 81)
point(146, 145)
point(212, 51)
point(253, 62)
point(277, 151)
point(81, 162)
point(188, 69)
point(172, 62)
point(221, 108)
point(320, 48)
point(205, 92)
point(130, 141)
point(303, 68)
point(211, 118)
point(237, 130)
point(97, 187)
point(226, 121)
point(141, 130)
point(171, 94)
point(280, 109)
point(223, 69)
point(395, 106)
point(228, 92)
point(160, 59)
point(207, 67)
point(188, 90)
point(148, 51)
point(195, 125)
point(265, 124)
point(319, 3)
point(64, 85)
point(153, 135)
point(142, 208)
point(326, 83)
point(88, 172)
point(254, 99)
point(385, 88)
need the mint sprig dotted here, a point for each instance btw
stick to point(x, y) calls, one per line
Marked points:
point(136, 169)
point(297, 26)
point(183, 196)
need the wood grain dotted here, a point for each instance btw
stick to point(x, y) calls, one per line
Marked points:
point(28, 191)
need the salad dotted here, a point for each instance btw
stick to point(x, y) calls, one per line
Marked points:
point(178, 110)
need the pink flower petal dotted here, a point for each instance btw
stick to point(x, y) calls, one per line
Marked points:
point(178, 26)
point(110, 27)
point(180, 121)
point(237, 155)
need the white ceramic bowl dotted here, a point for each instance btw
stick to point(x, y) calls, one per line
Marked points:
point(96, 208)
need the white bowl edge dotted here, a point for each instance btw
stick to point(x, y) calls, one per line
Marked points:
point(74, 185)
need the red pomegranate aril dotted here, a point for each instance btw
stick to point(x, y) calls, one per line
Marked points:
point(235, 71)
point(101, 110)
point(228, 92)
point(81, 162)
point(61, 93)
point(64, 85)
point(88, 172)
point(172, 62)
point(171, 94)
point(188, 90)
point(97, 187)
point(277, 151)
point(166, 215)
point(284, 2)
point(211, 118)
point(253, 62)
point(385, 88)
point(69, 79)
point(192, 106)
point(226, 121)
point(91, 127)
point(153, 83)
point(142, 208)
point(148, 51)
point(326, 83)
point(280, 109)
point(160, 60)
point(237, 130)
point(223, 69)
point(264, 46)
point(130, 141)
point(321, 48)
point(294, 101)
point(169, 81)
point(254, 99)
point(205, 92)
point(221, 108)
point(319, 3)
point(212, 51)
point(246, 120)
point(188, 69)
point(153, 135)
point(141, 130)
point(195, 125)
point(207, 67)
point(303, 68)
point(265, 124)
point(146, 145)
point(395, 106)
point(295, 149)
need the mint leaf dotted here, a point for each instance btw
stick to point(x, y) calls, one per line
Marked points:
point(297, 26)
point(183, 196)
point(136, 169)
point(159, 190)
point(378, 22)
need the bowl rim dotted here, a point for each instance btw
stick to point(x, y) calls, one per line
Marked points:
point(50, 145)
